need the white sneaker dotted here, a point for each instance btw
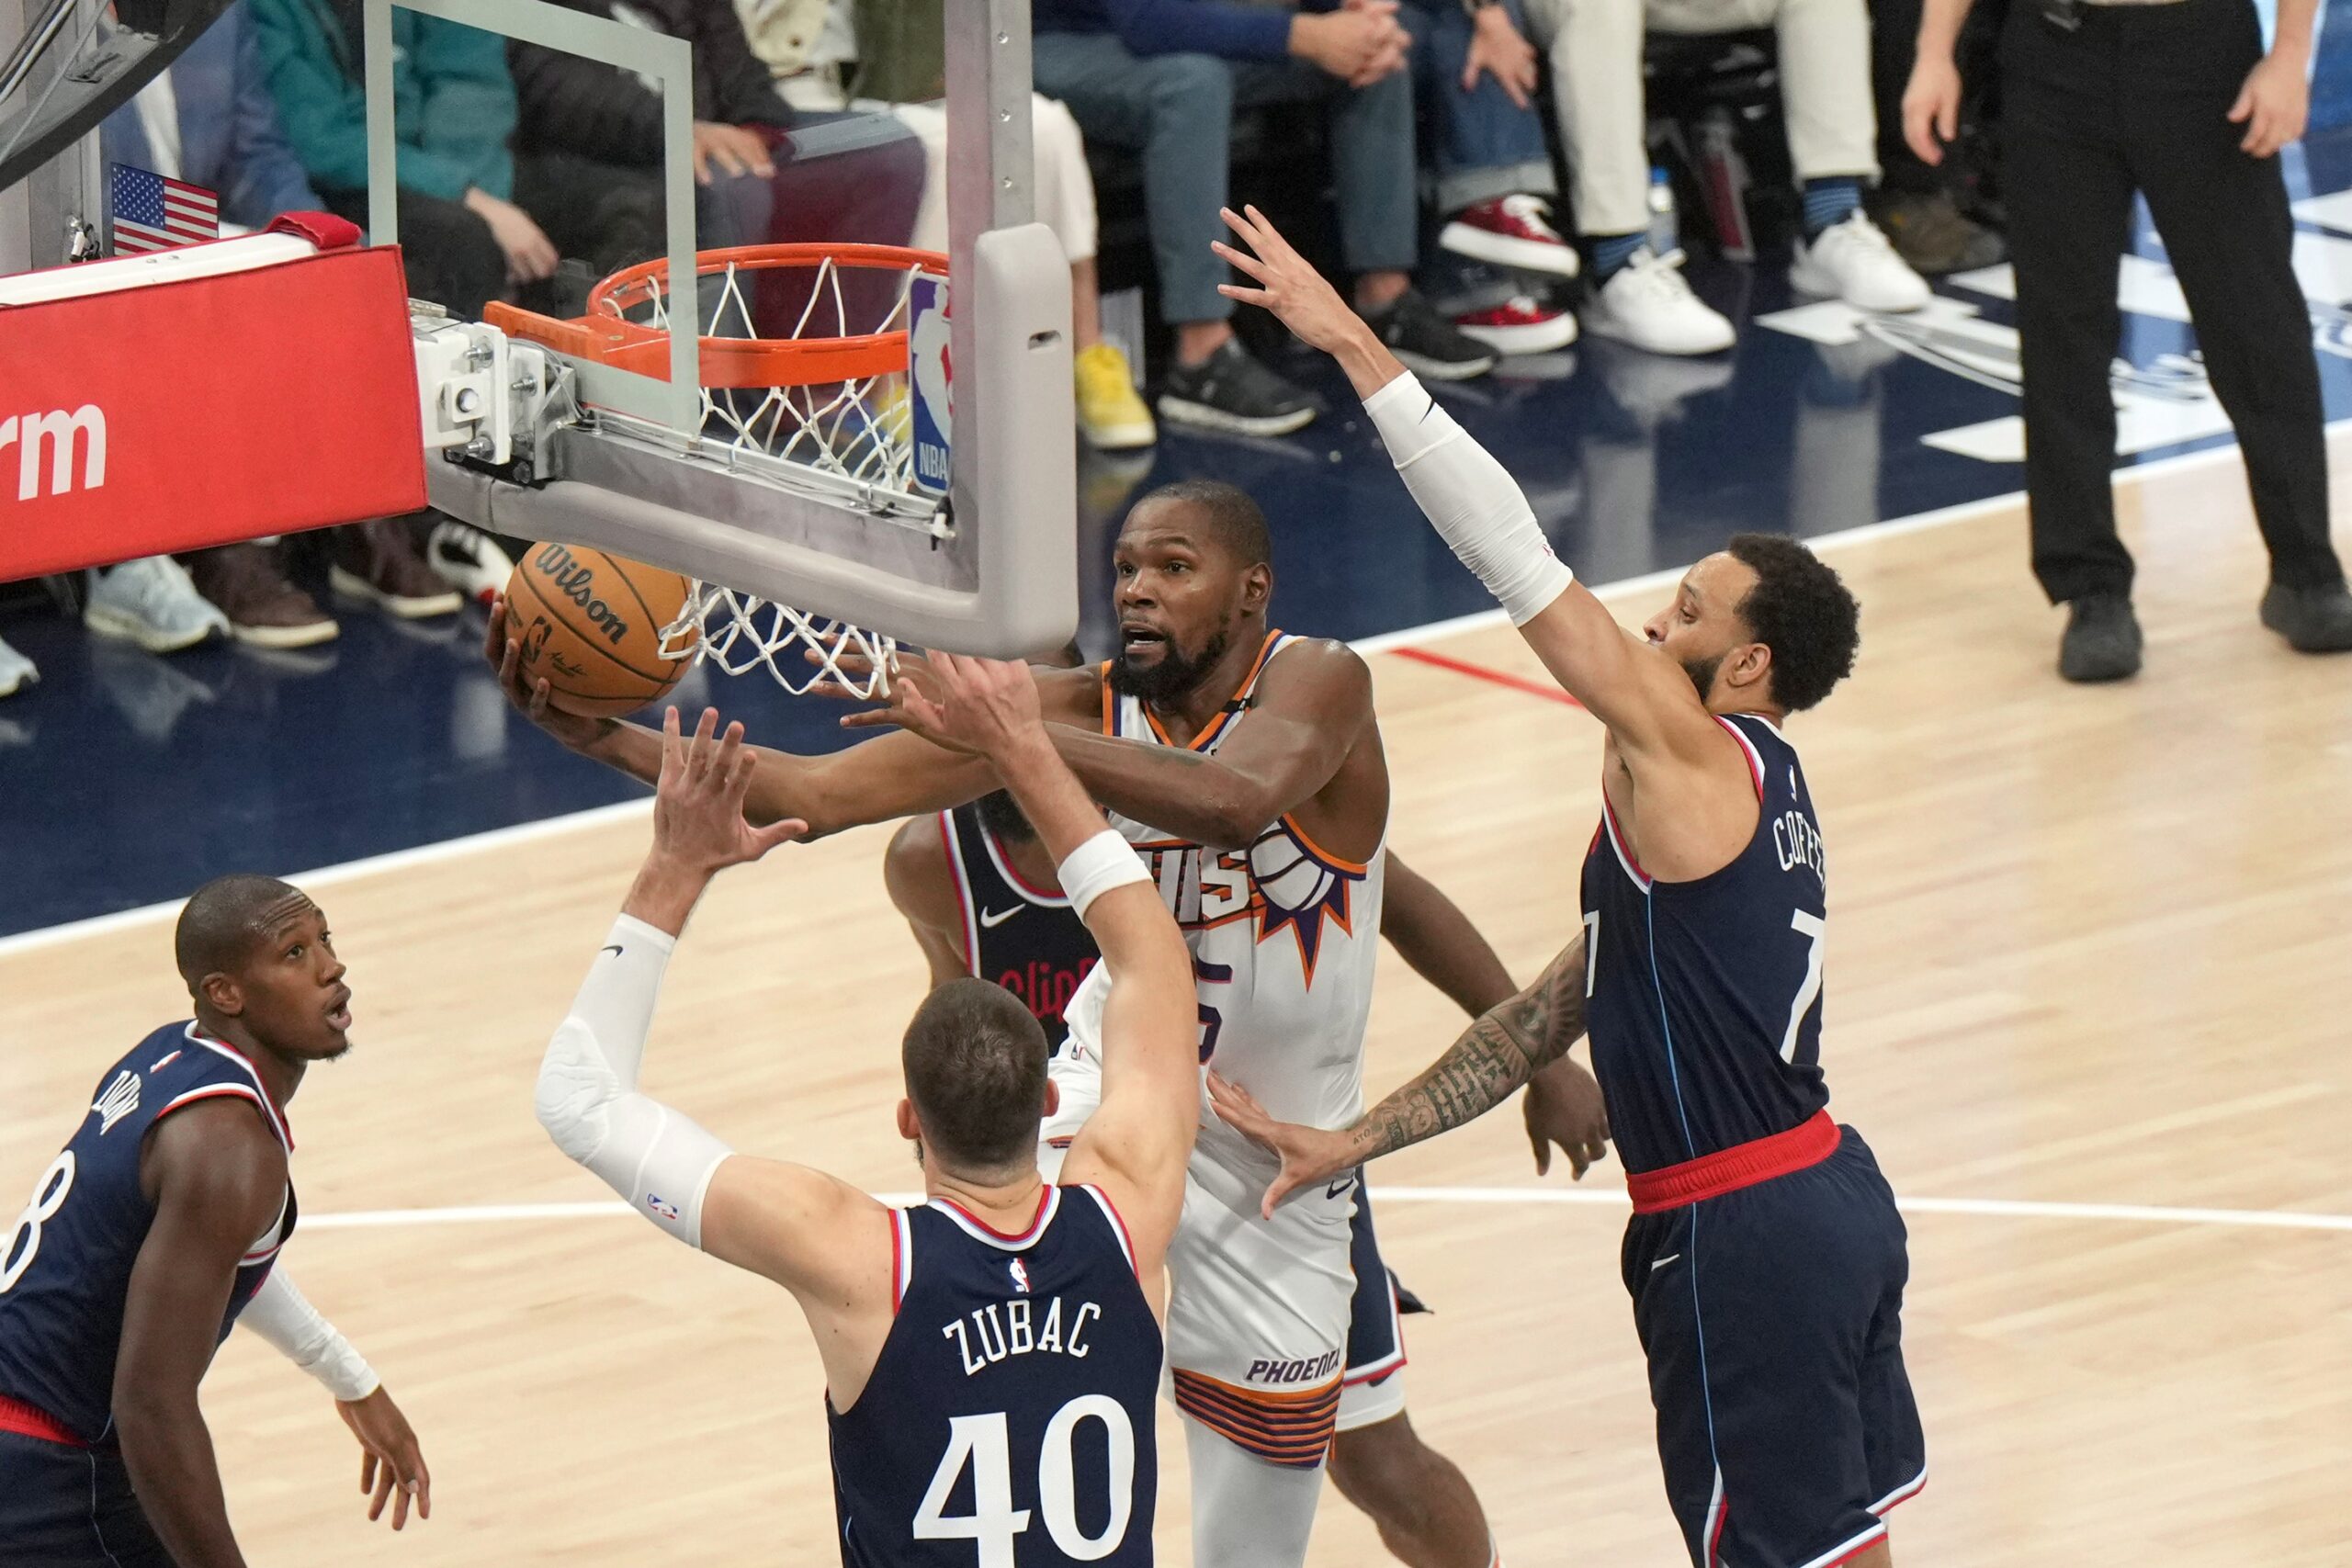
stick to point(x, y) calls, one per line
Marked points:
point(152, 603)
point(1646, 303)
point(1854, 261)
point(468, 560)
point(16, 671)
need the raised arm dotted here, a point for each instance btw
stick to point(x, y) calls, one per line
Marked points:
point(1494, 1057)
point(820, 1238)
point(1479, 510)
point(876, 780)
point(217, 1178)
point(1136, 1145)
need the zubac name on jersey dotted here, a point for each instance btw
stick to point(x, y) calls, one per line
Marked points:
point(65, 1264)
point(1008, 1423)
point(1705, 995)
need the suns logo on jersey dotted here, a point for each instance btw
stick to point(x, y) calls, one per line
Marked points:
point(1020, 1276)
point(1281, 882)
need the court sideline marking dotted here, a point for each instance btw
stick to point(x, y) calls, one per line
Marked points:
point(1382, 642)
point(1605, 1198)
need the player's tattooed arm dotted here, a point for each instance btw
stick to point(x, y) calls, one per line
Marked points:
point(1508, 1045)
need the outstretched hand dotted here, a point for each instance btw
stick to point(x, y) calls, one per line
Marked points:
point(1309, 1154)
point(503, 646)
point(392, 1465)
point(699, 822)
point(987, 706)
point(1286, 282)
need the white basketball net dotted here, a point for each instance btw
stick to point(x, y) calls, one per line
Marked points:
point(859, 431)
point(741, 632)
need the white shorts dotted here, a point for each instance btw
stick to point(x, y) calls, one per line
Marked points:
point(1258, 1310)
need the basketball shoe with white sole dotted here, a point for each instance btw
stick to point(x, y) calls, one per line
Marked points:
point(1520, 325)
point(152, 603)
point(1854, 261)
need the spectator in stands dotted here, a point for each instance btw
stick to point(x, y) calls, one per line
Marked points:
point(16, 671)
point(465, 240)
point(1931, 213)
point(1639, 297)
point(1476, 75)
point(1163, 77)
point(846, 178)
point(823, 65)
point(209, 119)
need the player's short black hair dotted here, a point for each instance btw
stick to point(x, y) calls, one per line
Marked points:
point(222, 921)
point(975, 1061)
point(1235, 520)
point(1802, 610)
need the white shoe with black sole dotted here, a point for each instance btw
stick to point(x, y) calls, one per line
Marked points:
point(1231, 393)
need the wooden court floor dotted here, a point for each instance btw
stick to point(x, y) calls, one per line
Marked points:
point(2088, 947)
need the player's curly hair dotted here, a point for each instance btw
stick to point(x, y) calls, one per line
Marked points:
point(975, 1061)
point(1802, 611)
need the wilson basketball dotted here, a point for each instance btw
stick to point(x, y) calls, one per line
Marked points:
point(591, 623)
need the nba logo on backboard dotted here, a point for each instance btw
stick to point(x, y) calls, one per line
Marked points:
point(932, 373)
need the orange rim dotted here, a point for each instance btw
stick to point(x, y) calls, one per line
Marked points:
point(606, 337)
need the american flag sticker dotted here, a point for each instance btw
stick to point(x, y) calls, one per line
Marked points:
point(152, 213)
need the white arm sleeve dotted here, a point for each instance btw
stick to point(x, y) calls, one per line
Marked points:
point(285, 1318)
point(1478, 508)
point(658, 1160)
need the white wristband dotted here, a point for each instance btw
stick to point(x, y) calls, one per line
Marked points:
point(1103, 861)
point(1478, 508)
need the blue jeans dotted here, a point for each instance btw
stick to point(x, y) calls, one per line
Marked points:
point(1487, 145)
point(1176, 111)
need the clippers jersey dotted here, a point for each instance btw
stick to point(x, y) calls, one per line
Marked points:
point(1285, 937)
point(1704, 1003)
point(1024, 939)
point(1010, 1417)
point(65, 1266)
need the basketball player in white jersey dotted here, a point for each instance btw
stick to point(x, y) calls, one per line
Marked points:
point(941, 1330)
point(1247, 765)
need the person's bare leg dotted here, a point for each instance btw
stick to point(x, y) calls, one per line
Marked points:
point(1195, 341)
point(1378, 291)
point(1085, 307)
point(1427, 1513)
point(1878, 1556)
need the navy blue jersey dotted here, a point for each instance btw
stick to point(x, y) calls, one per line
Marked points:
point(1019, 936)
point(1704, 1004)
point(1008, 1423)
point(65, 1266)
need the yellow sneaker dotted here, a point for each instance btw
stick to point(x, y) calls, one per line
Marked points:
point(1110, 412)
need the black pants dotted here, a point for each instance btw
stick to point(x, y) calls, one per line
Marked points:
point(2136, 99)
point(447, 250)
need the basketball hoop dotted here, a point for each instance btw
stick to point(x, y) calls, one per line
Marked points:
point(804, 366)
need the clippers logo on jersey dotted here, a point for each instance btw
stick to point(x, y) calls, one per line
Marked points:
point(119, 1099)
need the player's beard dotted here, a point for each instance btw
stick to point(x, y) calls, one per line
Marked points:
point(1702, 673)
point(1173, 676)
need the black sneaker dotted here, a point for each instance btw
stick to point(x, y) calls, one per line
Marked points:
point(2102, 641)
point(1232, 392)
point(2313, 620)
point(1431, 347)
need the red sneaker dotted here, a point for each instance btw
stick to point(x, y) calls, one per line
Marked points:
point(1521, 326)
point(1513, 231)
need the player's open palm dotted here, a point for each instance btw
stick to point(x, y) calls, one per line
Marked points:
point(988, 706)
point(1287, 284)
point(1310, 1155)
point(698, 804)
point(392, 1465)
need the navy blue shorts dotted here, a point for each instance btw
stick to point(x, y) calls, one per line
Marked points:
point(67, 1507)
point(1772, 1320)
